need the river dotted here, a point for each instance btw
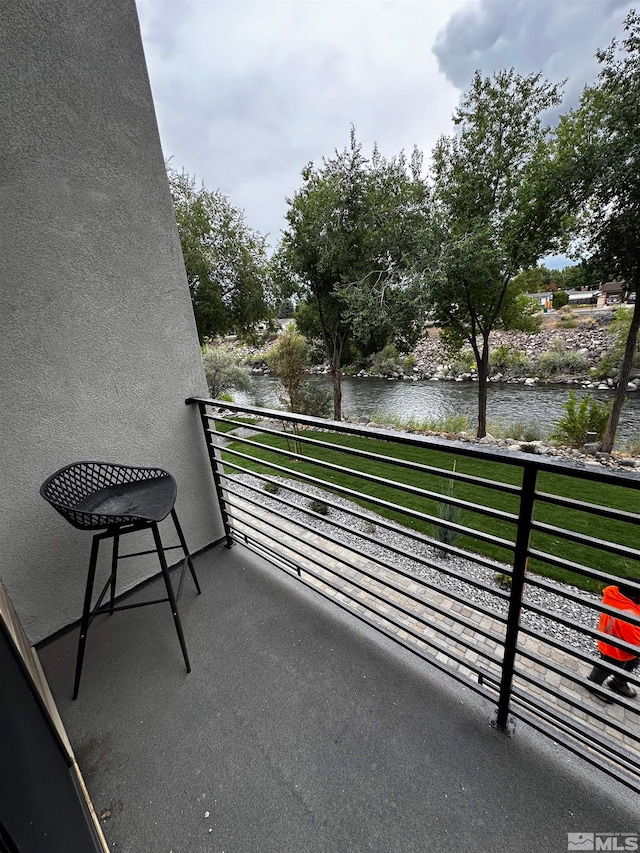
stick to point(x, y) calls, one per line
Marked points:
point(362, 398)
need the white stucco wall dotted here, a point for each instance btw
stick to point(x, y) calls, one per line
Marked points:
point(98, 346)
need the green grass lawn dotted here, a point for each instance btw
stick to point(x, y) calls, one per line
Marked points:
point(331, 449)
point(223, 426)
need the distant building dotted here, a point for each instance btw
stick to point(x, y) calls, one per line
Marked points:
point(582, 297)
point(613, 292)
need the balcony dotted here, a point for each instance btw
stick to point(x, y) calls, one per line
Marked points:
point(340, 701)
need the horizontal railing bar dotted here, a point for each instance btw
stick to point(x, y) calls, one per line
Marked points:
point(609, 748)
point(577, 701)
point(530, 700)
point(416, 491)
point(579, 627)
point(583, 749)
point(583, 506)
point(580, 727)
point(555, 616)
point(479, 584)
point(508, 457)
point(453, 615)
point(578, 568)
point(407, 532)
point(597, 606)
point(545, 584)
point(591, 541)
point(406, 628)
point(571, 652)
point(495, 485)
point(411, 513)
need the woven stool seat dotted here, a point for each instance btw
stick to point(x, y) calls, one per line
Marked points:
point(118, 499)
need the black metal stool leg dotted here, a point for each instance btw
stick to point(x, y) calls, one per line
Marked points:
point(187, 555)
point(170, 593)
point(114, 568)
point(86, 613)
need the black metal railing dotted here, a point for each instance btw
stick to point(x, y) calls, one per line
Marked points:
point(451, 549)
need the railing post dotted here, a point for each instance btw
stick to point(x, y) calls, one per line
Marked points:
point(502, 718)
point(215, 462)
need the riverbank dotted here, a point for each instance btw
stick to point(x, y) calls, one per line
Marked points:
point(571, 348)
point(575, 354)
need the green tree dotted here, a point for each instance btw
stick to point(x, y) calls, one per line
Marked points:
point(579, 276)
point(600, 144)
point(225, 260)
point(224, 371)
point(288, 359)
point(539, 279)
point(352, 228)
point(497, 211)
point(560, 299)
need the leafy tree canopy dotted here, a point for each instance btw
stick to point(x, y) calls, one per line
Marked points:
point(225, 260)
point(352, 228)
point(539, 279)
point(599, 146)
point(582, 275)
point(224, 371)
point(497, 210)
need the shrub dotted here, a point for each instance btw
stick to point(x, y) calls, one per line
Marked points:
point(519, 430)
point(521, 363)
point(500, 358)
point(448, 512)
point(319, 506)
point(464, 363)
point(559, 361)
point(610, 362)
point(408, 364)
point(587, 416)
point(503, 358)
point(271, 487)
point(224, 371)
point(632, 447)
point(559, 299)
point(315, 400)
point(504, 580)
point(385, 361)
point(568, 321)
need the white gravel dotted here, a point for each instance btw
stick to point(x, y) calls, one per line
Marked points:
point(341, 510)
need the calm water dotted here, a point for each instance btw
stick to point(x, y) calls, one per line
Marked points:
point(362, 398)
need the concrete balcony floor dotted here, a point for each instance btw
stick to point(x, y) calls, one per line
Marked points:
point(300, 730)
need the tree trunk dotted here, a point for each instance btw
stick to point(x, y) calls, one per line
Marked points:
point(482, 363)
point(336, 375)
point(625, 371)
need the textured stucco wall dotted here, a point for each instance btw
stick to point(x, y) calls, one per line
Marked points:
point(98, 348)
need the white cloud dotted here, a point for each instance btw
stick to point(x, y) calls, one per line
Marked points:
point(246, 93)
point(249, 91)
point(558, 38)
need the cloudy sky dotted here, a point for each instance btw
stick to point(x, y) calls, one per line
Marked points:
point(247, 92)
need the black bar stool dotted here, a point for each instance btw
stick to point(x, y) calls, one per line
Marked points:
point(118, 499)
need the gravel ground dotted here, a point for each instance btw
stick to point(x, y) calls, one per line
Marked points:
point(342, 511)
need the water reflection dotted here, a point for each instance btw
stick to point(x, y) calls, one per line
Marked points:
point(364, 397)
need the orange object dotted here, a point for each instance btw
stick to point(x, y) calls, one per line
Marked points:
point(618, 628)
